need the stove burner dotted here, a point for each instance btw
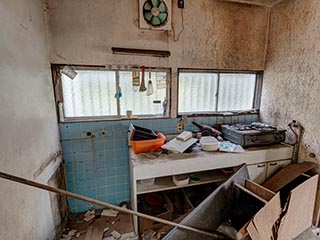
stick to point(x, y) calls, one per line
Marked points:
point(262, 127)
point(255, 134)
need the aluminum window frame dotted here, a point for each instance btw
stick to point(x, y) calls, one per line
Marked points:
point(256, 97)
point(58, 92)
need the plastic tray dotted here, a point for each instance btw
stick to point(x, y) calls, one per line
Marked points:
point(148, 145)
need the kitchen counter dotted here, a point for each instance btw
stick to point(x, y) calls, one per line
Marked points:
point(163, 166)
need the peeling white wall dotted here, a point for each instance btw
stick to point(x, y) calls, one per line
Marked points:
point(28, 126)
point(291, 85)
point(216, 35)
point(220, 35)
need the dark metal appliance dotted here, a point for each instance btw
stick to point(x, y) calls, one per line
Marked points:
point(254, 134)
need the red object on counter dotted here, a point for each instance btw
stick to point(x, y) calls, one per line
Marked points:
point(142, 146)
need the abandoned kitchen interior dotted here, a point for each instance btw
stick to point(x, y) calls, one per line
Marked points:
point(159, 119)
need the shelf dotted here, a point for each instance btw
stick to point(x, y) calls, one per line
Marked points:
point(166, 183)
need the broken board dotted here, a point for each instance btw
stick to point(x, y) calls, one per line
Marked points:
point(262, 225)
point(259, 190)
point(299, 213)
point(214, 210)
point(287, 175)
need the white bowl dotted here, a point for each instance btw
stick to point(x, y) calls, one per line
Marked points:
point(209, 144)
point(147, 182)
point(180, 180)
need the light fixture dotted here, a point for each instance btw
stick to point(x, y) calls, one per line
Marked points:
point(69, 71)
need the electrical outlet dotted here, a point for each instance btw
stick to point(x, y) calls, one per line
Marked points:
point(180, 3)
point(179, 127)
point(312, 155)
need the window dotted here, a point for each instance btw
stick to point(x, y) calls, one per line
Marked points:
point(101, 93)
point(206, 92)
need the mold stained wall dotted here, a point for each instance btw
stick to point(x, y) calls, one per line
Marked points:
point(291, 85)
point(216, 35)
point(28, 128)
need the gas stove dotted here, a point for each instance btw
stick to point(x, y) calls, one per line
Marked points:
point(254, 134)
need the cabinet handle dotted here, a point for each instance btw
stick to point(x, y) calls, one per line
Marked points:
point(261, 165)
point(273, 164)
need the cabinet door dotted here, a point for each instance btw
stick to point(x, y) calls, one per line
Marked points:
point(257, 172)
point(275, 166)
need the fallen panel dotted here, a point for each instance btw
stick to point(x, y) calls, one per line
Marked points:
point(299, 214)
point(262, 225)
point(287, 175)
point(214, 210)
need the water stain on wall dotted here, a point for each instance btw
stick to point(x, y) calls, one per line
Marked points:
point(291, 80)
point(218, 35)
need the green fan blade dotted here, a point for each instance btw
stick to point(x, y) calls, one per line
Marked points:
point(147, 6)
point(155, 3)
point(148, 16)
point(162, 17)
point(162, 7)
point(155, 21)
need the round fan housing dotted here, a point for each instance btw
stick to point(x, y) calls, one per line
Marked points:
point(155, 12)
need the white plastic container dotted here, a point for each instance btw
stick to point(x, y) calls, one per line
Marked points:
point(180, 180)
point(209, 144)
point(147, 182)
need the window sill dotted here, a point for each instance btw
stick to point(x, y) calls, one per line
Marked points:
point(97, 119)
point(219, 114)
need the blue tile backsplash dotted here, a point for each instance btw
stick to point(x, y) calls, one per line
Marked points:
point(97, 166)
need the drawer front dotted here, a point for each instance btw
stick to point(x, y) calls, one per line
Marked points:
point(257, 172)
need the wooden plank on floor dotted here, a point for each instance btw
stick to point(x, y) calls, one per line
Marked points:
point(259, 190)
point(299, 214)
point(89, 233)
point(94, 232)
point(287, 175)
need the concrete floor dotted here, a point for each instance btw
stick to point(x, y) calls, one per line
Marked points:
point(309, 235)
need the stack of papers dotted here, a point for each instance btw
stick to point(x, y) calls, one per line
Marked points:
point(179, 146)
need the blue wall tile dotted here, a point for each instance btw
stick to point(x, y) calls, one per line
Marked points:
point(242, 118)
point(102, 171)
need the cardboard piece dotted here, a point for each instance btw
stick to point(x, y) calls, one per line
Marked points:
point(299, 212)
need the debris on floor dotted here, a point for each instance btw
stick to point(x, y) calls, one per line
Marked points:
point(150, 234)
point(109, 212)
point(88, 216)
point(94, 225)
point(237, 209)
point(257, 211)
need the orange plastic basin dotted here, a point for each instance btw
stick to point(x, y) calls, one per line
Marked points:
point(148, 145)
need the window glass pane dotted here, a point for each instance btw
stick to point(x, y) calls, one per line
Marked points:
point(90, 93)
point(236, 91)
point(139, 102)
point(197, 92)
